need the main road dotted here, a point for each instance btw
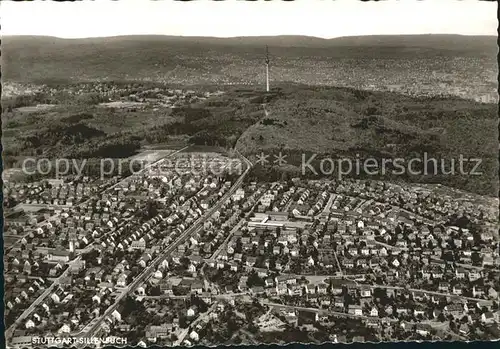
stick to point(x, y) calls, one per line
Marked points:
point(167, 251)
point(205, 316)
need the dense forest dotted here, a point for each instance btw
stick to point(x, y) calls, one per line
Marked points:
point(298, 119)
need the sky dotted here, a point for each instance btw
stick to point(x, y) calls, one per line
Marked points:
point(321, 18)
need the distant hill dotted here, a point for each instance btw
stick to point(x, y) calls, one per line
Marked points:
point(39, 58)
point(475, 43)
point(435, 41)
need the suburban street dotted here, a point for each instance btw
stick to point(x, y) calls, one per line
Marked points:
point(166, 253)
point(81, 204)
point(39, 300)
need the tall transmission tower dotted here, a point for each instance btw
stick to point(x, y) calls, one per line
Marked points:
point(267, 69)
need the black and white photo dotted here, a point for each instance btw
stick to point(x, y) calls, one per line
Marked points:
point(205, 173)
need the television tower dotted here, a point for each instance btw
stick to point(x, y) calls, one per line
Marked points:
point(267, 69)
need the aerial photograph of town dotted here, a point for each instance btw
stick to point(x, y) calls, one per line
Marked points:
point(184, 181)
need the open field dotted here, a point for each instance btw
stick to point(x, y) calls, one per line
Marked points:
point(151, 155)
